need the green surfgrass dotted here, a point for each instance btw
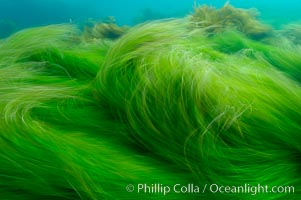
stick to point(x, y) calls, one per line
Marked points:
point(163, 104)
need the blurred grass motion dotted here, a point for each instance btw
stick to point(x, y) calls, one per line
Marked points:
point(83, 114)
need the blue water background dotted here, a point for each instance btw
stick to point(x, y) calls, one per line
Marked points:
point(17, 14)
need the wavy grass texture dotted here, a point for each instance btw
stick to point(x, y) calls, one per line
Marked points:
point(244, 20)
point(162, 104)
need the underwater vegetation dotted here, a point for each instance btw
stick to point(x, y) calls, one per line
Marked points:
point(107, 29)
point(243, 20)
point(163, 103)
point(292, 32)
